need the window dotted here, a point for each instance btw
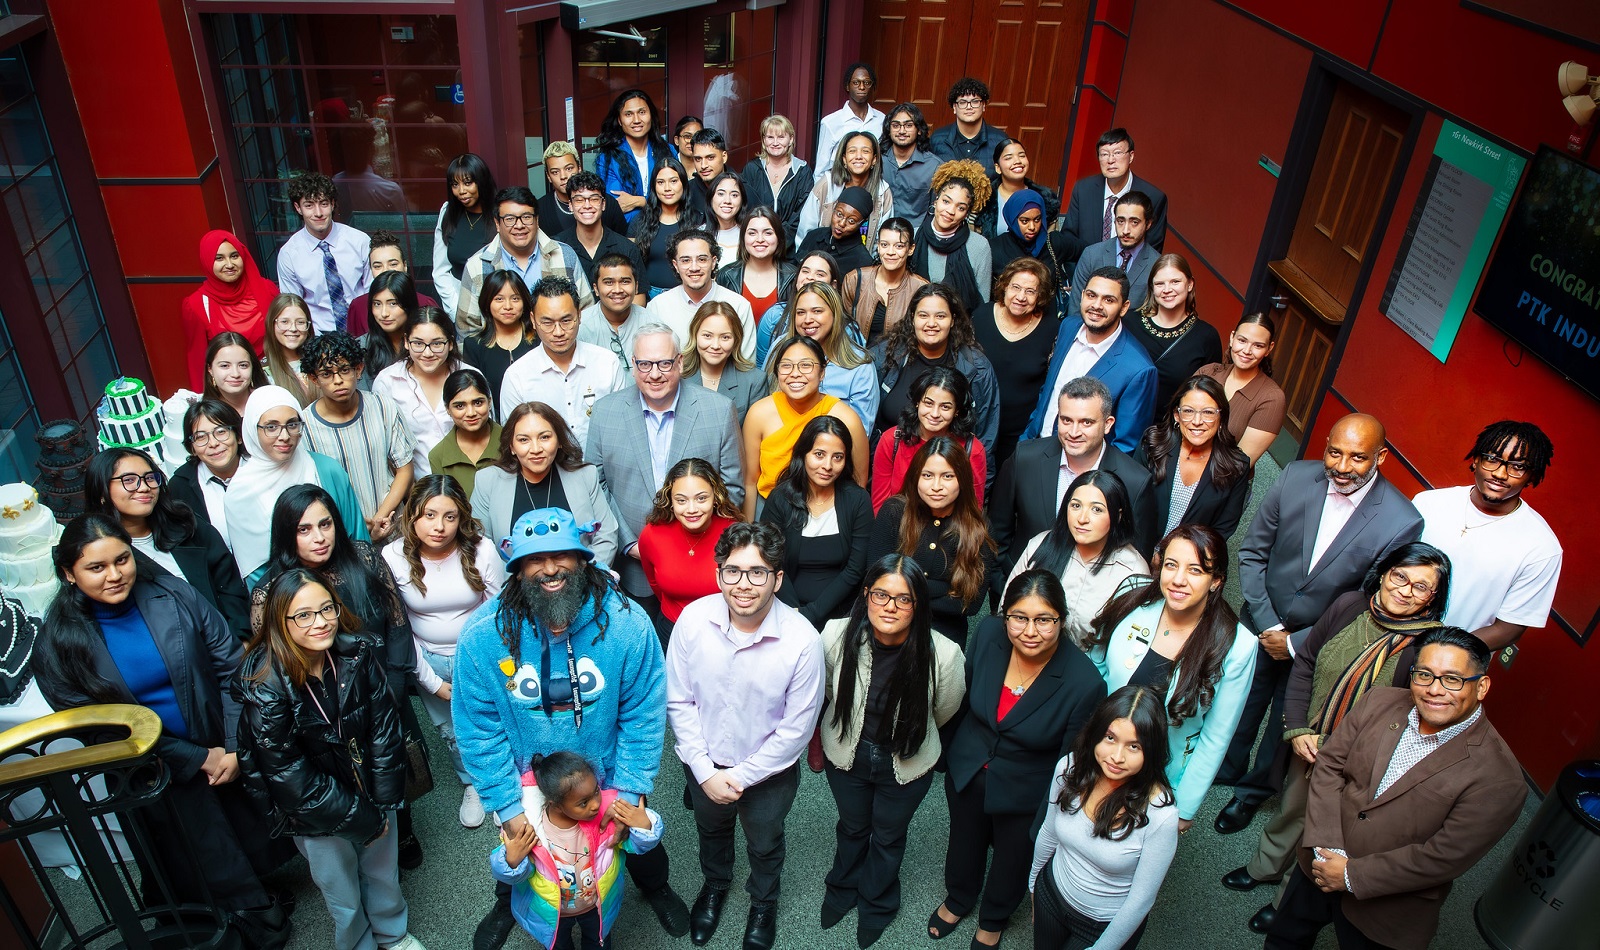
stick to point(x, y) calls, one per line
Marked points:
point(373, 101)
point(740, 64)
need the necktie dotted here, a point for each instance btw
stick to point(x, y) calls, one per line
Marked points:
point(1125, 255)
point(1105, 226)
point(336, 301)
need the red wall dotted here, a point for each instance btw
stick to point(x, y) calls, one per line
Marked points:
point(1490, 74)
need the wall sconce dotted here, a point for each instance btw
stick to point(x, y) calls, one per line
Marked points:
point(1580, 89)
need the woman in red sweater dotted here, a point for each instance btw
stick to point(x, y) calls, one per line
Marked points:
point(234, 296)
point(691, 511)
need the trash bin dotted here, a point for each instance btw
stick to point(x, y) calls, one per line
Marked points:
point(1545, 896)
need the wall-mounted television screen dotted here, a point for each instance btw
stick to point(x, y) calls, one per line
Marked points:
point(1542, 285)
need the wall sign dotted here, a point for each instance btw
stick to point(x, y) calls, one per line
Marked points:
point(1464, 198)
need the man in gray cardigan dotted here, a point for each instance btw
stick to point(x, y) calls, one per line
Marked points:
point(637, 434)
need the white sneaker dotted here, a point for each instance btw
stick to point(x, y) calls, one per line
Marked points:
point(471, 812)
point(409, 943)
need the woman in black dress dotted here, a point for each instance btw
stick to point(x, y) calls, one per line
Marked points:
point(1016, 333)
point(1169, 327)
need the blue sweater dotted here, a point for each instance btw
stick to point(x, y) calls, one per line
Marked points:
point(133, 649)
point(500, 722)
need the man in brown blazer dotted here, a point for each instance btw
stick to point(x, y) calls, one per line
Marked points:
point(1410, 791)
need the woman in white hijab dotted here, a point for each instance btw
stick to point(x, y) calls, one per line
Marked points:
point(278, 460)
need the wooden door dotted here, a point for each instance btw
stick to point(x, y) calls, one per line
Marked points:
point(1334, 231)
point(1026, 50)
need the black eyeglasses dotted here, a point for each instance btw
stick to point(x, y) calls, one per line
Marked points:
point(1450, 681)
point(131, 481)
point(273, 428)
point(882, 597)
point(1491, 461)
point(646, 367)
point(305, 618)
point(732, 575)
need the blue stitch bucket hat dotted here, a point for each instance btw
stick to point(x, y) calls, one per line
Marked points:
point(547, 531)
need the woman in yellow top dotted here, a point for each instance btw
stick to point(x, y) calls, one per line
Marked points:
point(774, 422)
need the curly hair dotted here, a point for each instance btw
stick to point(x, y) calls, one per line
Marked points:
point(722, 502)
point(901, 341)
point(311, 185)
point(327, 351)
point(469, 532)
point(967, 172)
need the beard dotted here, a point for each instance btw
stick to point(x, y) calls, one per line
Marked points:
point(554, 609)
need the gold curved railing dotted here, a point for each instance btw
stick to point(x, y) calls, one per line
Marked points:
point(142, 724)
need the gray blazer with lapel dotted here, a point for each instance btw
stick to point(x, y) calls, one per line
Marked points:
point(1275, 573)
point(1105, 254)
point(493, 495)
point(703, 427)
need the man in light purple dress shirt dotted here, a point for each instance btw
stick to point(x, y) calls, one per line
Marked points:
point(744, 688)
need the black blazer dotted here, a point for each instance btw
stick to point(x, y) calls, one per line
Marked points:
point(1209, 505)
point(201, 655)
point(1086, 211)
point(184, 486)
point(1024, 501)
point(208, 566)
point(853, 505)
point(1022, 750)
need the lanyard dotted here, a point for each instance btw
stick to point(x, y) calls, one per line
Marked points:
point(572, 677)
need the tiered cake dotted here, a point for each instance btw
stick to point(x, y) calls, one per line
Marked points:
point(63, 456)
point(129, 417)
point(28, 534)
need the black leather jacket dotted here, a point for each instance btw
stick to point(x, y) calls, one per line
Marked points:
point(315, 779)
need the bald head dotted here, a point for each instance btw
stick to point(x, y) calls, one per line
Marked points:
point(1354, 451)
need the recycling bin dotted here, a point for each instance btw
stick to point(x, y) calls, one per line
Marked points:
point(1545, 895)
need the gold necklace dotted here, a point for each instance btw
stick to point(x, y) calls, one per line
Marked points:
point(1493, 519)
point(1161, 333)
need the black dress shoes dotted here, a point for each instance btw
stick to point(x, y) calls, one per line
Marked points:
point(495, 928)
point(670, 910)
point(1234, 816)
point(1262, 921)
point(706, 914)
point(761, 929)
point(1239, 879)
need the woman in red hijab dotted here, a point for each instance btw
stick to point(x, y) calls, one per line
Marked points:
point(234, 297)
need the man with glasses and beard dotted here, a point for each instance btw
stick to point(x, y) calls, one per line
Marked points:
point(744, 687)
point(561, 660)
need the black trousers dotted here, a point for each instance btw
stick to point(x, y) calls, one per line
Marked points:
point(1305, 910)
point(588, 925)
point(1057, 925)
point(973, 833)
point(875, 811)
point(760, 811)
point(1267, 690)
point(208, 839)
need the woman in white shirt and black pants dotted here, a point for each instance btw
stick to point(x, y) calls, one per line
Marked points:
point(1110, 829)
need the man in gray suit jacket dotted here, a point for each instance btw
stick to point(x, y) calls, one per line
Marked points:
point(1127, 249)
point(637, 434)
point(1319, 530)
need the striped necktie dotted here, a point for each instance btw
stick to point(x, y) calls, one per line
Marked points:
point(330, 271)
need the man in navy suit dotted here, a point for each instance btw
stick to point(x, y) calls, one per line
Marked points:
point(1094, 345)
point(1092, 205)
point(1128, 250)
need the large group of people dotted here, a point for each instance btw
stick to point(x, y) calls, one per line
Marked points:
point(891, 463)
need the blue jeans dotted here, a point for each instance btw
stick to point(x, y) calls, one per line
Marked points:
point(439, 711)
point(361, 886)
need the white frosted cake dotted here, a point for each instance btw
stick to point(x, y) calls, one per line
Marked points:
point(129, 417)
point(28, 535)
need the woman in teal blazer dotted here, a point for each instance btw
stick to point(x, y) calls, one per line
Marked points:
point(1179, 636)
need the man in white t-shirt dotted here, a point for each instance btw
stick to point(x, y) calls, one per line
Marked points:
point(1504, 559)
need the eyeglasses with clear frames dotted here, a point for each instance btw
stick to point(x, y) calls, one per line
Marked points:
point(1189, 414)
point(732, 575)
point(204, 436)
point(1398, 579)
point(882, 597)
point(305, 618)
point(1450, 681)
point(1112, 154)
point(802, 367)
point(565, 323)
point(271, 429)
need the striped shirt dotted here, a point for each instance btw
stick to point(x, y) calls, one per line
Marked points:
point(370, 447)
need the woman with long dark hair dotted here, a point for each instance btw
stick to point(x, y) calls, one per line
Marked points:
point(213, 433)
point(949, 252)
point(444, 569)
point(1177, 635)
point(892, 683)
point(667, 212)
point(1365, 639)
point(306, 533)
point(465, 227)
point(936, 332)
point(826, 520)
point(233, 299)
point(690, 512)
point(416, 384)
point(114, 636)
point(1095, 877)
point(470, 445)
point(1169, 327)
point(774, 422)
point(126, 485)
point(1090, 546)
point(941, 404)
point(232, 371)
point(508, 334)
point(392, 300)
point(1256, 404)
point(1200, 475)
point(539, 465)
point(1017, 332)
point(1028, 695)
point(321, 744)
point(629, 148)
point(937, 521)
point(725, 206)
point(876, 298)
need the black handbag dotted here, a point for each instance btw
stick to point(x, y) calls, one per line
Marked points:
point(419, 772)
